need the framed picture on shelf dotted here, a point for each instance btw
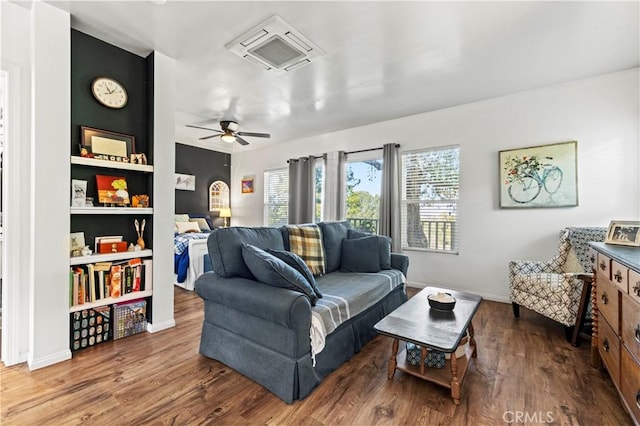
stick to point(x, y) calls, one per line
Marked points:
point(625, 233)
point(76, 243)
point(78, 193)
point(539, 176)
point(112, 190)
point(107, 144)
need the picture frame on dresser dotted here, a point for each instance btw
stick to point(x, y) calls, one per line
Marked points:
point(624, 233)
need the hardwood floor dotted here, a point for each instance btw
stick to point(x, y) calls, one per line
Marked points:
point(524, 368)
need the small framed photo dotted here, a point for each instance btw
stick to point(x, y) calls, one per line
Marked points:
point(78, 193)
point(109, 144)
point(76, 243)
point(247, 185)
point(624, 233)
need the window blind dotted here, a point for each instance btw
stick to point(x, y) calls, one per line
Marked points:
point(276, 197)
point(430, 197)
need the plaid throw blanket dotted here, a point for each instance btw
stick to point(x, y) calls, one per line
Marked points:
point(306, 242)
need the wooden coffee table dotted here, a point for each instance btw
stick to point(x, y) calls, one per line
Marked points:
point(415, 322)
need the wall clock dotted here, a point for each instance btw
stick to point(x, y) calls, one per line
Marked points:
point(109, 92)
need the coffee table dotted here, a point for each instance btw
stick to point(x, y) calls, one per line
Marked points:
point(415, 322)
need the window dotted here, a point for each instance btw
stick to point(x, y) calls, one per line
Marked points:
point(276, 197)
point(430, 197)
point(218, 196)
point(364, 182)
point(319, 190)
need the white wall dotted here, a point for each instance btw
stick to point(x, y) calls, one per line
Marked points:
point(601, 113)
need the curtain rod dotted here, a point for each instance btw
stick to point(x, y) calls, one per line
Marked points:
point(348, 152)
point(369, 149)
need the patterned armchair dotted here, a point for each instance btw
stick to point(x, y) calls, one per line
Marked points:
point(560, 288)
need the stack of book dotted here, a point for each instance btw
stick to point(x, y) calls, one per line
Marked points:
point(95, 281)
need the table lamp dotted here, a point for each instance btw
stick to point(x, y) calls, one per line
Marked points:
point(225, 213)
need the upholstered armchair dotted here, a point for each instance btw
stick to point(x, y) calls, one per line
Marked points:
point(559, 288)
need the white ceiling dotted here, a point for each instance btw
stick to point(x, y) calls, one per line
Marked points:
point(384, 60)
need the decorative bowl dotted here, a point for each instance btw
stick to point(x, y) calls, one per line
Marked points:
point(441, 301)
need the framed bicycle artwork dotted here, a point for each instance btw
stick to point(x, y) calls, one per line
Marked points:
point(539, 176)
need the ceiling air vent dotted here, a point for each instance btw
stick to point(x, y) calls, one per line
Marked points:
point(275, 46)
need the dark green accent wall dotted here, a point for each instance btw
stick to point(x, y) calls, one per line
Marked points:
point(207, 166)
point(91, 58)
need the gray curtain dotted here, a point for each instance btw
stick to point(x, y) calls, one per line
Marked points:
point(390, 196)
point(334, 186)
point(301, 190)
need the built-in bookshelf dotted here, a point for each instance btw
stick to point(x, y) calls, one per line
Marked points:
point(100, 281)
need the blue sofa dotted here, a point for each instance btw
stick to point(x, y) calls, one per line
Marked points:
point(274, 335)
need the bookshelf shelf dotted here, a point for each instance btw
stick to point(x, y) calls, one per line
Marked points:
point(110, 257)
point(85, 161)
point(112, 300)
point(111, 210)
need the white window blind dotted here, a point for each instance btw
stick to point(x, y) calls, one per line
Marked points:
point(276, 197)
point(430, 197)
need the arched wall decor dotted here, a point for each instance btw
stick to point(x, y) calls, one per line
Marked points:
point(218, 196)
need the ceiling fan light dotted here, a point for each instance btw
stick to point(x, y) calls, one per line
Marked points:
point(229, 138)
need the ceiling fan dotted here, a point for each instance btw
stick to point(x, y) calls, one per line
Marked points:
point(230, 133)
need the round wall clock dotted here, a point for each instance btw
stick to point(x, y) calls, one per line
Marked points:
point(109, 92)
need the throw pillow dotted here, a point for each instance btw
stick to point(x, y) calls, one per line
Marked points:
point(298, 264)
point(306, 242)
point(357, 255)
point(184, 227)
point(182, 218)
point(268, 269)
point(202, 224)
point(384, 247)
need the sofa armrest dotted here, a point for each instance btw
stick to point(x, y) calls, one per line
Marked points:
point(400, 262)
point(274, 304)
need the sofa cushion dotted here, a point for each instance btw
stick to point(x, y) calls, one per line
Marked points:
point(360, 255)
point(384, 247)
point(332, 235)
point(298, 264)
point(306, 242)
point(225, 248)
point(268, 269)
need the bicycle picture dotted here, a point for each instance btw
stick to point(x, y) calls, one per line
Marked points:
point(539, 176)
point(528, 176)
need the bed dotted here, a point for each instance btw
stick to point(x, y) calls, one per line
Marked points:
point(190, 258)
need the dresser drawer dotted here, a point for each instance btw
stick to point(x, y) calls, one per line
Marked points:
point(609, 347)
point(634, 285)
point(630, 325)
point(630, 383)
point(604, 265)
point(593, 258)
point(607, 302)
point(620, 276)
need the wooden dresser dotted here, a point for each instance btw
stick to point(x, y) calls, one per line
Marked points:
point(616, 319)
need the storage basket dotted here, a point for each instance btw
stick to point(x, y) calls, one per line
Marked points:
point(90, 327)
point(129, 318)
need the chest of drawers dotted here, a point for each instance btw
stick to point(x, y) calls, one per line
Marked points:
point(616, 319)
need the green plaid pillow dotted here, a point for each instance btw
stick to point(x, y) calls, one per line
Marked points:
point(306, 242)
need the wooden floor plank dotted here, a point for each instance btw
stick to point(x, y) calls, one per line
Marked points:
point(523, 365)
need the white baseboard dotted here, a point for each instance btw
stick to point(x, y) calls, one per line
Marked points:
point(48, 360)
point(488, 296)
point(155, 327)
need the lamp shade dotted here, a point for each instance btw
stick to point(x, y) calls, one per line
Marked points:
point(225, 212)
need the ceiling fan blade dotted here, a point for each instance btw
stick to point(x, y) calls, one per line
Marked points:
point(255, 135)
point(204, 128)
point(241, 141)
point(208, 137)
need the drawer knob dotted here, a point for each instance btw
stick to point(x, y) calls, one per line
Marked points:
point(618, 276)
point(636, 288)
point(605, 299)
point(605, 345)
point(603, 265)
point(637, 333)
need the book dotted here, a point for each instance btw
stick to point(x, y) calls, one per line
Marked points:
point(116, 281)
point(107, 239)
point(148, 272)
point(91, 276)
